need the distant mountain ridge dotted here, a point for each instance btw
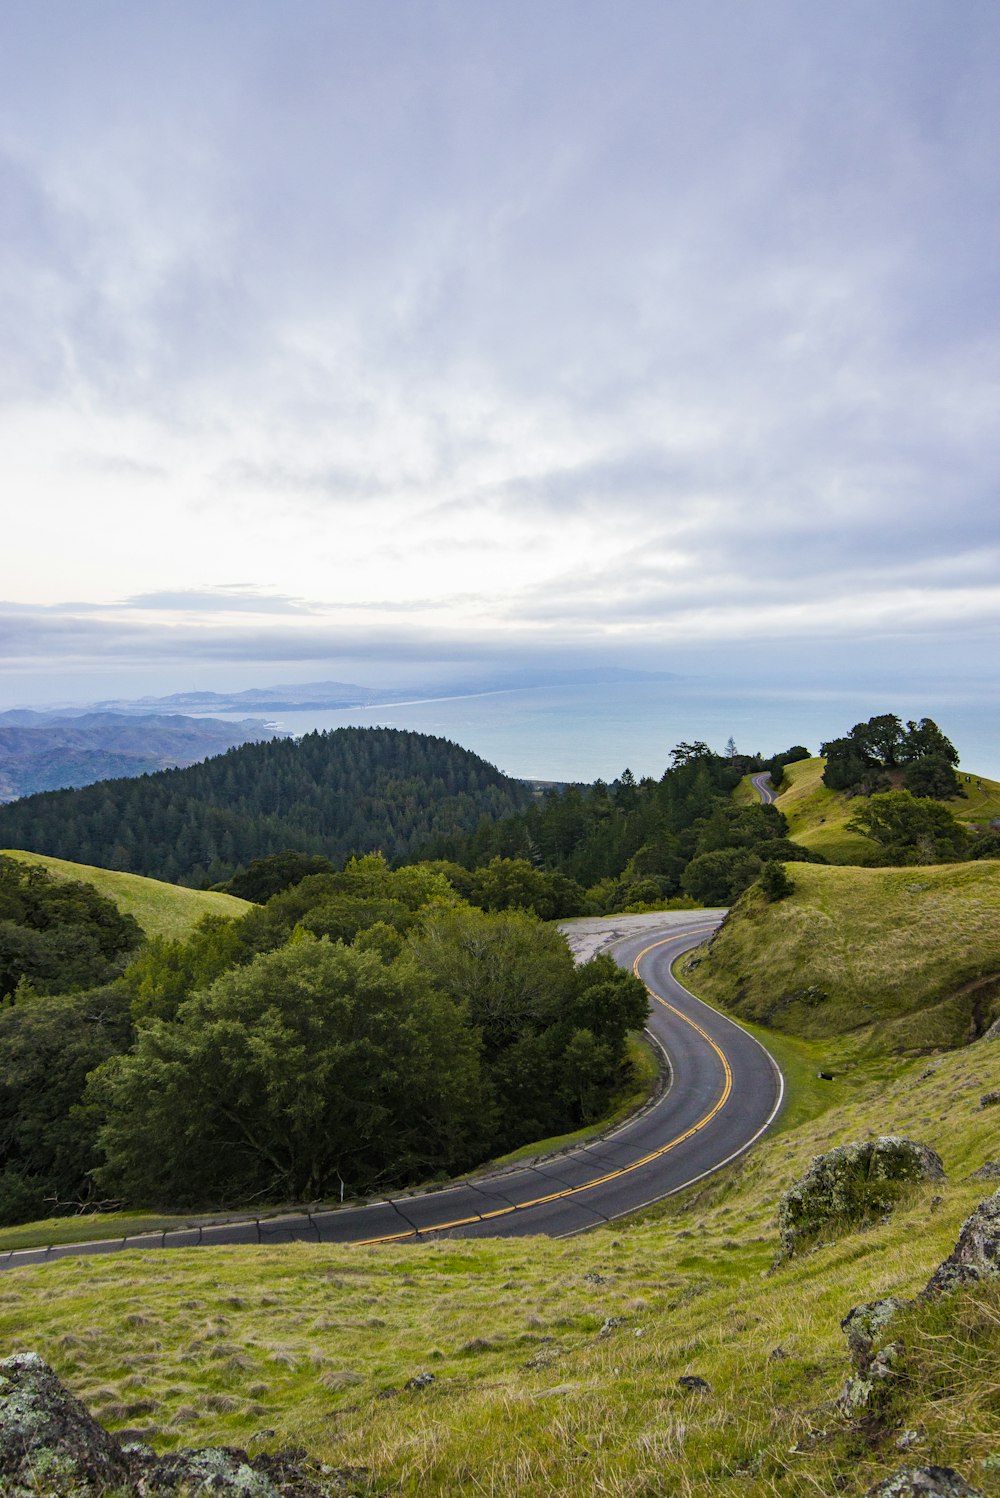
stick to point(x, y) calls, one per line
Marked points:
point(327, 696)
point(47, 751)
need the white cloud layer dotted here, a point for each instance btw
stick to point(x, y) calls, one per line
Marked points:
point(337, 331)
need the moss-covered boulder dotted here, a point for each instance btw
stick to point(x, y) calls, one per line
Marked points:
point(851, 1187)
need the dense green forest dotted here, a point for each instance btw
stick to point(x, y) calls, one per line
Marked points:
point(349, 791)
point(636, 843)
point(366, 1028)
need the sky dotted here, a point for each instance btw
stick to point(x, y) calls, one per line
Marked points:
point(390, 340)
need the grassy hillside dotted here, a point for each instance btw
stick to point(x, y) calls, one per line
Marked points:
point(818, 817)
point(161, 909)
point(890, 959)
point(556, 1364)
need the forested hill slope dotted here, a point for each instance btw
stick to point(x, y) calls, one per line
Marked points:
point(353, 790)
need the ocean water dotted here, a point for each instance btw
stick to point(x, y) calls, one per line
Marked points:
point(596, 731)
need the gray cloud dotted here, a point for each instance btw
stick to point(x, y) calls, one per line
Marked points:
point(517, 317)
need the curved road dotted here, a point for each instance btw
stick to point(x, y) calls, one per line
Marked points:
point(765, 790)
point(725, 1090)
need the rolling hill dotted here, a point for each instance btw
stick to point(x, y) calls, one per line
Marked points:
point(353, 790)
point(817, 817)
point(166, 910)
point(888, 959)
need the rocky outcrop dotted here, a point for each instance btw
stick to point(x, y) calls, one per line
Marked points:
point(854, 1185)
point(873, 1352)
point(923, 1482)
point(48, 1437)
point(52, 1447)
point(976, 1255)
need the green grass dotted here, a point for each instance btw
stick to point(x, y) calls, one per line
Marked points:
point(556, 1364)
point(870, 961)
point(530, 1395)
point(166, 910)
point(817, 817)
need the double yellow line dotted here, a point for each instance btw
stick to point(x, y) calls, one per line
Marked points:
point(613, 1175)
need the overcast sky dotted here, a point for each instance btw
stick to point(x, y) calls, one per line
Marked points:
point(356, 338)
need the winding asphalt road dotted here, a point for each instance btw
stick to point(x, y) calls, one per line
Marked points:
point(723, 1093)
point(765, 790)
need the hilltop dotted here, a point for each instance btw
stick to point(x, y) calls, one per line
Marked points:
point(873, 959)
point(351, 790)
point(817, 817)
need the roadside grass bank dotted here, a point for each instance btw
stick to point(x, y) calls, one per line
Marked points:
point(166, 910)
point(870, 961)
point(556, 1365)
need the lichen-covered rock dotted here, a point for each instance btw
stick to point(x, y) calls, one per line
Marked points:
point(988, 1171)
point(864, 1326)
point(853, 1185)
point(923, 1482)
point(52, 1447)
point(976, 1255)
point(49, 1442)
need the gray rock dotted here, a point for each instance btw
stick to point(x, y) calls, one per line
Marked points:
point(419, 1381)
point(864, 1325)
point(988, 1171)
point(993, 1033)
point(695, 1384)
point(854, 1184)
point(976, 1255)
point(48, 1437)
point(990, 1099)
point(923, 1482)
point(52, 1447)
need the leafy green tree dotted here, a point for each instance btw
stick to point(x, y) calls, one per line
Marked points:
point(911, 829)
point(925, 740)
point(58, 934)
point(528, 1001)
point(268, 876)
point(718, 877)
point(166, 971)
point(932, 775)
point(48, 1045)
point(313, 1065)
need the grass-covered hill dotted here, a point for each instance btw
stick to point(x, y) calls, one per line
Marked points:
point(353, 790)
point(902, 959)
point(556, 1366)
point(817, 817)
point(165, 910)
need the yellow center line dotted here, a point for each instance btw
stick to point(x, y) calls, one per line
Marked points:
point(613, 1175)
